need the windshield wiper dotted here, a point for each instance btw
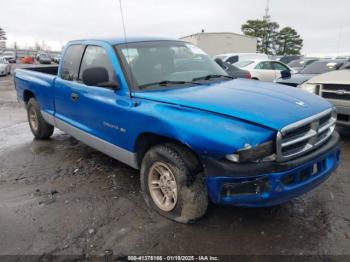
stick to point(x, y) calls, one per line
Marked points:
point(168, 82)
point(208, 77)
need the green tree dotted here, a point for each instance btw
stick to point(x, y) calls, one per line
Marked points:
point(2, 34)
point(2, 38)
point(265, 31)
point(271, 41)
point(288, 42)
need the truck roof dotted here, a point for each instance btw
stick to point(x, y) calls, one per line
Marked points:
point(122, 40)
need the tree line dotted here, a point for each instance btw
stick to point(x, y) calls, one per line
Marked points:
point(271, 40)
point(2, 34)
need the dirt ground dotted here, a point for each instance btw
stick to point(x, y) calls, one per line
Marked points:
point(61, 197)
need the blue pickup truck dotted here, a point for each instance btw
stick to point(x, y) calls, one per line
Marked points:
point(166, 108)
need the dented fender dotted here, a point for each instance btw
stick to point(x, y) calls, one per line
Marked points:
point(206, 133)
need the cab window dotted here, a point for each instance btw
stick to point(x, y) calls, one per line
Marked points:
point(96, 59)
point(71, 62)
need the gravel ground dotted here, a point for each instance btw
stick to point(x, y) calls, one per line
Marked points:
point(61, 197)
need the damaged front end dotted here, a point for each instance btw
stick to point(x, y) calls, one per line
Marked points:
point(268, 183)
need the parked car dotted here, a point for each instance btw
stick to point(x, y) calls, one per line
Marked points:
point(237, 57)
point(5, 67)
point(192, 131)
point(289, 58)
point(232, 70)
point(56, 59)
point(264, 70)
point(316, 68)
point(335, 87)
point(301, 63)
point(44, 59)
point(10, 56)
point(27, 60)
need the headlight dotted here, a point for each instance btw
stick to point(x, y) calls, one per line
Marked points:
point(260, 153)
point(309, 87)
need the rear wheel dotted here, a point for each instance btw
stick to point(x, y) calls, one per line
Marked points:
point(172, 183)
point(39, 127)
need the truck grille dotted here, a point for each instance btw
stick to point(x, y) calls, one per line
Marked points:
point(305, 135)
point(338, 92)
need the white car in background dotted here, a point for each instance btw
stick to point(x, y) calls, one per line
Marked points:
point(5, 67)
point(265, 70)
point(238, 57)
point(10, 56)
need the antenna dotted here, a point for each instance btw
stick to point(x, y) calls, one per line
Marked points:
point(123, 22)
point(126, 44)
point(267, 11)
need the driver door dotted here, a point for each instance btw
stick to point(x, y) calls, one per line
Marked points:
point(89, 108)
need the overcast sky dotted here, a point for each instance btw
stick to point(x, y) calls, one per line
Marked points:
point(323, 24)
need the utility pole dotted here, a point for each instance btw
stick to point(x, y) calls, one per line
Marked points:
point(266, 18)
point(267, 11)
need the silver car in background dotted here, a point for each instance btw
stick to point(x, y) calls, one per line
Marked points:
point(5, 67)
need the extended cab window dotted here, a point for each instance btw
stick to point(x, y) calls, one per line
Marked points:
point(71, 62)
point(96, 61)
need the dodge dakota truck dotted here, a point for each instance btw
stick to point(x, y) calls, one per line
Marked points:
point(166, 108)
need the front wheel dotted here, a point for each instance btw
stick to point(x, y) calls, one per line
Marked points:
point(172, 183)
point(39, 127)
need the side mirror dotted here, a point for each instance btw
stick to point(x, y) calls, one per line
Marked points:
point(220, 63)
point(286, 74)
point(98, 76)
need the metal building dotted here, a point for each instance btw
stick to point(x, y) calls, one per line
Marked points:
point(219, 43)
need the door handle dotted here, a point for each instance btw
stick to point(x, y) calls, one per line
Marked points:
point(74, 96)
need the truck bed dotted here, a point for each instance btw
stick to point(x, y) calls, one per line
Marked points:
point(38, 82)
point(51, 70)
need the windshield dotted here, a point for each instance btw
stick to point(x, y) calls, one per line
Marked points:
point(168, 62)
point(243, 63)
point(8, 53)
point(321, 67)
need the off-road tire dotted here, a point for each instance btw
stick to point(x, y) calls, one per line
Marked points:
point(192, 196)
point(42, 129)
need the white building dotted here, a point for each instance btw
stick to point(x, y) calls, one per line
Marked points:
point(219, 43)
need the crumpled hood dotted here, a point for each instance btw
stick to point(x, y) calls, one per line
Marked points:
point(267, 104)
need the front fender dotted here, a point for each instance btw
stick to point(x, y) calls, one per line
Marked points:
point(206, 133)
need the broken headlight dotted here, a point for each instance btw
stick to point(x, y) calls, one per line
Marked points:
point(260, 153)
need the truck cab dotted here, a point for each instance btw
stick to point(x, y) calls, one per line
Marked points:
point(166, 108)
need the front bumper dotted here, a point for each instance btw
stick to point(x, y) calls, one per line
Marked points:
point(343, 113)
point(268, 184)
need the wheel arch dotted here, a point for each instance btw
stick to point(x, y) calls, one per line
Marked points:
point(27, 94)
point(147, 140)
